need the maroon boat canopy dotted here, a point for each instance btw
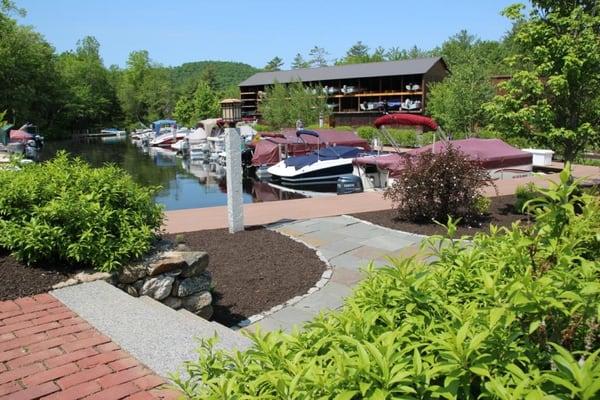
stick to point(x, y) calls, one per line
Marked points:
point(266, 151)
point(19, 136)
point(406, 119)
point(491, 153)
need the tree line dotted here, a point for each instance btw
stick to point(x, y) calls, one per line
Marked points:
point(73, 91)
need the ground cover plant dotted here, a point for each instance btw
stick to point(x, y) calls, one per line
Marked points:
point(432, 187)
point(65, 211)
point(512, 314)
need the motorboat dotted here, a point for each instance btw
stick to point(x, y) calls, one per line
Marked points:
point(322, 167)
point(501, 160)
point(169, 138)
point(111, 132)
point(25, 141)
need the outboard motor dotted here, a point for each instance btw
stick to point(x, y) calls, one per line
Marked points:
point(347, 184)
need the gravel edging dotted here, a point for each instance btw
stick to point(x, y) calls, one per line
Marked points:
point(325, 278)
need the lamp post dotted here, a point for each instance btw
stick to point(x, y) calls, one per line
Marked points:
point(231, 110)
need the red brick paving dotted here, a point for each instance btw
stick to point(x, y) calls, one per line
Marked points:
point(48, 352)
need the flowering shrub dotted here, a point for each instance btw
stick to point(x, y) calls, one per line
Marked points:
point(436, 186)
point(65, 211)
point(513, 314)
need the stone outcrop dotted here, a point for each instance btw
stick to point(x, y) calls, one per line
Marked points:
point(176, 278)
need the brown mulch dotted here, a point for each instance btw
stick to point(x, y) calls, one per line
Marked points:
point(18, 280)
point(502, 213)
point(253, 270)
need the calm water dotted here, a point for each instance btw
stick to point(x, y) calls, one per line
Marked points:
point(184, 185)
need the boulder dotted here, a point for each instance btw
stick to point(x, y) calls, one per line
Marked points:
point(173, 302)
point(192, 285)
point(131, 290)
point(90, 276)
point(166, 264)
point(205, 312)
point(138, 285)
point(197, 262)
point(158, 288)
point(196, 302)
point(131, 273)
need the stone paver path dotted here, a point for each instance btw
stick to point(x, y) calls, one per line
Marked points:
point(47, 351)
point(348, 244)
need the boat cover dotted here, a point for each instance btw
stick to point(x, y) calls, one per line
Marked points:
point(266, 150)
point(327, 153)
point(19, 136)
point(406, 119)
point(491, 153)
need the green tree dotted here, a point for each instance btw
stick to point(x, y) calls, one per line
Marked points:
point(274, 65)
point(358, 53)
point(31, 85)
point(285, 104)
point(300, 62)
point(90, 99)
point(203, 104)
point(209, 75)
point(553, 98)
point(318, 57)
point(456, 103)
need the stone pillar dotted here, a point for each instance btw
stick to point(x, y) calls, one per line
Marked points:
point(235, 203)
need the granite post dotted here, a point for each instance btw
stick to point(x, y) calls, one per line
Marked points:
point(235, 203)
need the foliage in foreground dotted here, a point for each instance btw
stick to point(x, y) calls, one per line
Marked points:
point(435, 186)
point(65, 211)
point(513, 315)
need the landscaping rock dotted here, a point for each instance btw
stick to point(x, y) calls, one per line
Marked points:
point(131, 273)
point(197, 262)
point(132, 291)
point(68, 282)
point(193, 285)
point(196, 302)
point(91, 276)
point(173, 302)
point(138, 285)
point(205, 312)
point(158, 288)
point(166, 264)
point(182, 247)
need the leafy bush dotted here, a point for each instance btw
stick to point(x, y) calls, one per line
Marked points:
point(263, 128)
point(367, 132)
point(524, 193)
point(65, 211)
point(513, 314)
point(404, 137)
point(436, 186)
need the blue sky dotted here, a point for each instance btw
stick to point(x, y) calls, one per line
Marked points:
point(254, 31)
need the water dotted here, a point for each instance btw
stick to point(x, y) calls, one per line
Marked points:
point(184, 184)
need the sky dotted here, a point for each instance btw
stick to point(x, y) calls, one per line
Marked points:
point(254, 31)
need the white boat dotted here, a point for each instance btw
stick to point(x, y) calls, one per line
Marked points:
point(111, 132)
point(169, 138)
point(321, 168)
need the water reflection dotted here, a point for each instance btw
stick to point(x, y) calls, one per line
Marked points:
point(185, 184)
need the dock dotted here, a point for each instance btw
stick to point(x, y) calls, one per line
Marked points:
point(179, 221)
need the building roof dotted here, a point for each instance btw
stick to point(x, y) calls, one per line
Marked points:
point(367, 70)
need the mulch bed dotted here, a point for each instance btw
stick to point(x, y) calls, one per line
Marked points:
point(18, 280)
point(502, 213)
point(253, 270)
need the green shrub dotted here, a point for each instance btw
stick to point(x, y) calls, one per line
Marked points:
point(513, 314)
point(263, 128)
point(524, 193)
point(367, 132)
point(404, 137)
point(482, 205)
point(436, 186)
point(65, 211)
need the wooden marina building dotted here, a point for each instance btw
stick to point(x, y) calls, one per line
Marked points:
point(356, 93)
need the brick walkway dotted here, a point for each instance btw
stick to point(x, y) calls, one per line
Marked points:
point(48, 352)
